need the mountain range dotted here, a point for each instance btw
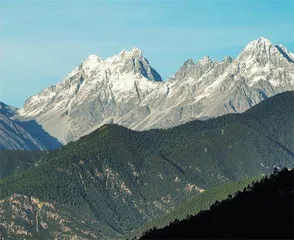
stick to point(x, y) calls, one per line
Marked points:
point(139, 150)
point(116, 179)
point(126, 90)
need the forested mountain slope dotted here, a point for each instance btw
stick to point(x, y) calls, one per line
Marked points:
point(118, 178)
point(195, 205)
point(263, 210)
point(13, 161)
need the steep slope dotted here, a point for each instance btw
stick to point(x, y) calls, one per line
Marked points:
point(97, 91)
point(266, 119)
point(22, 135)
point(24, 217)
point(263, 210)
point(195, 205)
point(126, 90)
point(120, 178)
point(13, 161)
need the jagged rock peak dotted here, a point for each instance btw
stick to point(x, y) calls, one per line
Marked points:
point(227, 59)
point(133, 61)
point(124, 54)
point(205, 60)
point(91, 62)
point(189, 61)
point(134, 53)
point(259, 43)
point(121, 89)
point(264, 51)
point(93, 57)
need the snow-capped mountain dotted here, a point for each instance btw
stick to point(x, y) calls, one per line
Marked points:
point(126, 90)
point(22, 135)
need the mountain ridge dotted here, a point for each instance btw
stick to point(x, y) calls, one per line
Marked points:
point(119, 178)
point(22, 135)
point(124, 89)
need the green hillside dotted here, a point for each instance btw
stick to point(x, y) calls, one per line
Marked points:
point(264, 210)
point(17, 161)
point(121, 178)
point(196, 204)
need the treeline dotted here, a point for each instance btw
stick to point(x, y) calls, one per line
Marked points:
point(263, 210)
point(198, 203)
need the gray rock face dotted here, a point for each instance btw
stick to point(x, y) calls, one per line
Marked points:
point(22, 135)
point(126, 90)
point(13, 136)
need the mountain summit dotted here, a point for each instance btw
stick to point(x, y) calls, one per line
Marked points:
point(263, 51)
point(126, 90)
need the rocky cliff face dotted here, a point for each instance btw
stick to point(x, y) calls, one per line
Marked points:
point(22, 135)
point(126, 90)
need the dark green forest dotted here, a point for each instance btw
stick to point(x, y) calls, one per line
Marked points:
point(15, 161)
point(196, 204)
point(263, 210)
point(121, 178)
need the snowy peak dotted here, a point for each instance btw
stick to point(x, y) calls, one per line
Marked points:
point(132, 62)
point(125, 63)
point(260, 44)
point(126, 90)
point(119, 73)
point(205, 67)
point(92, 60)
point(134, 53)
point(91, 63)
point(93, 57)
point(205, 61)
point(263, 52)
point(205, 64)
point(124, 55)
point(260, 48)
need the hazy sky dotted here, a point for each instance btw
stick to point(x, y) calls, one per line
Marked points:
point(41, 41)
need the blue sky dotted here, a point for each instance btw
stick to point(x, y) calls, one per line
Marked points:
point(41, 41)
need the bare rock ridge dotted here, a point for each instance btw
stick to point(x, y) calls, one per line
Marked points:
point(126, 90)
point(22, 135)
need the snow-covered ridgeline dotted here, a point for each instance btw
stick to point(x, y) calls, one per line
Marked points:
point(126, 90)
